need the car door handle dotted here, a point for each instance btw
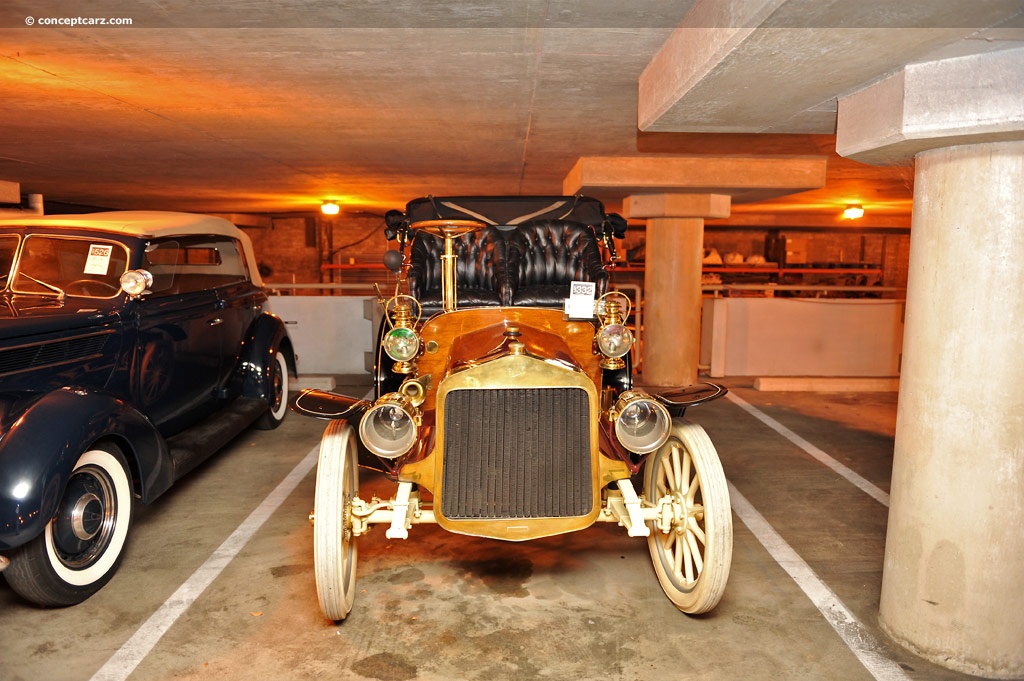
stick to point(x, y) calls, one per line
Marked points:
point(215, 321)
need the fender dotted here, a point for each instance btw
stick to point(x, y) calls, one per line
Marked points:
point(321, 404)
point(36, 458)
point(265, 336)
point(678, 399)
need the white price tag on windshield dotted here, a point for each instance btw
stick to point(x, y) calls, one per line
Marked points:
point(99, 259)
point(580, 303)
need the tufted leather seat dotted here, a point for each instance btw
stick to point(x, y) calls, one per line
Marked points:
point(545, 256)
point(482, 276)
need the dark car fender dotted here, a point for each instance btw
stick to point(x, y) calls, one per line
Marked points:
point(39, 451)
point(266, 335)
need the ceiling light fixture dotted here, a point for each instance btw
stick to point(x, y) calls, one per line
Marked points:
point(330, 208)
point(853, 211)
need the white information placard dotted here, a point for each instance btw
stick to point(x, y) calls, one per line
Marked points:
point(98, 261)
point(580, 303)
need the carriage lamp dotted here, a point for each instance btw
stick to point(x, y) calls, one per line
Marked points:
point(613, 339)
point(401, 343)
point(135, 282)
point(642, 424)
point(388, 428)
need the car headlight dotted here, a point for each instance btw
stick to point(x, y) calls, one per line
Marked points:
point(388, 428)
point(401, 344)
point(614, 340)
point(135, 282)
point(642, 424)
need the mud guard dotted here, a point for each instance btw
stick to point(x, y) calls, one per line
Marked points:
point(678, 399)
point(33, 485)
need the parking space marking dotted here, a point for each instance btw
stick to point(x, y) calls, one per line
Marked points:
point(123, 662)
point(854, 478)
point(856, 637)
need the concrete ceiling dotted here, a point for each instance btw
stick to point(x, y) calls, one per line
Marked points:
point(269, 106)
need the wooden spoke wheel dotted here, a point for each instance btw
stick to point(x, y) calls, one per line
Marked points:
point(691, 542)
point(334, 547)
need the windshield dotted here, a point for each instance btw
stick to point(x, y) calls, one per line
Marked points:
point(68, 266)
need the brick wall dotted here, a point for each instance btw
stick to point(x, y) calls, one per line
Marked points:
point(294, 248)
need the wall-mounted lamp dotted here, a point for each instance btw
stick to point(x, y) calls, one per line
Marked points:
point(853, 211)
point(330, 208)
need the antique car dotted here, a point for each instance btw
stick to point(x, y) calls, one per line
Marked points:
point(133, 345)
point(505, 405)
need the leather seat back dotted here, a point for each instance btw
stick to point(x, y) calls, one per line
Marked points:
point(545, 256)
point(481, 269)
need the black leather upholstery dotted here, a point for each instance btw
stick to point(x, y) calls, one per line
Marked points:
point(482, 276)
point(545, 256)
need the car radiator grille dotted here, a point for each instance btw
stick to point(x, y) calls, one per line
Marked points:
point(517, 453)
point(51, 353)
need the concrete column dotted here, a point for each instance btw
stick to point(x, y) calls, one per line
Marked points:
point(954, 561)
point(674, 252)
point(953, 576)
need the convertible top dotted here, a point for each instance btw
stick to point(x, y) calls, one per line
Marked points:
point(142, 223)
point(146, 224)
point(506, 210)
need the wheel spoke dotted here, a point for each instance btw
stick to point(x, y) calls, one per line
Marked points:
point(675, 477)
point(695, 553)
point(693, 489)
point(693, 526)
point(686, 475)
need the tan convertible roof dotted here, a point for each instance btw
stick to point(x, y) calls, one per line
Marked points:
point(151, 223)
point(146, 224)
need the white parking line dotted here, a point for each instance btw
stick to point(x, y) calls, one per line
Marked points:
point(856, 637)
point(856, 479)
point(122, 663)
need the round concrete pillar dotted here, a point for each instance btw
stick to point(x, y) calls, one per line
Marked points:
point(954, 560)
point(672, 301)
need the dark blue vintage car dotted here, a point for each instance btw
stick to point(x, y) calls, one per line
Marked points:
point(133, 345)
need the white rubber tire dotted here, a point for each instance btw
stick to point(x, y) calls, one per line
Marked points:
point(277, 400)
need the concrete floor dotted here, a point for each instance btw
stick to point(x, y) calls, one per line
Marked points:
point(442, 606)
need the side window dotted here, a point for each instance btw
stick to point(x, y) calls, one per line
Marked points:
point(187, 264)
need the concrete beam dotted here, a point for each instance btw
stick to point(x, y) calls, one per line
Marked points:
point(779, 65)
point(744, 178)
point(676, 206)
point(963, 100)
point(10, 192)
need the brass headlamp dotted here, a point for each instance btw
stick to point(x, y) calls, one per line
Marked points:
point(389, 427)
point(642, 424)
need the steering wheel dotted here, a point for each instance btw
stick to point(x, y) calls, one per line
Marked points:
point(447, 228)
point(86, 285)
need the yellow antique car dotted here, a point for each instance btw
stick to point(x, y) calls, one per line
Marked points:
point(505, 406)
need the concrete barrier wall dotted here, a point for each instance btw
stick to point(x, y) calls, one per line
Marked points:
point(802, 337)
point(331, 334)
